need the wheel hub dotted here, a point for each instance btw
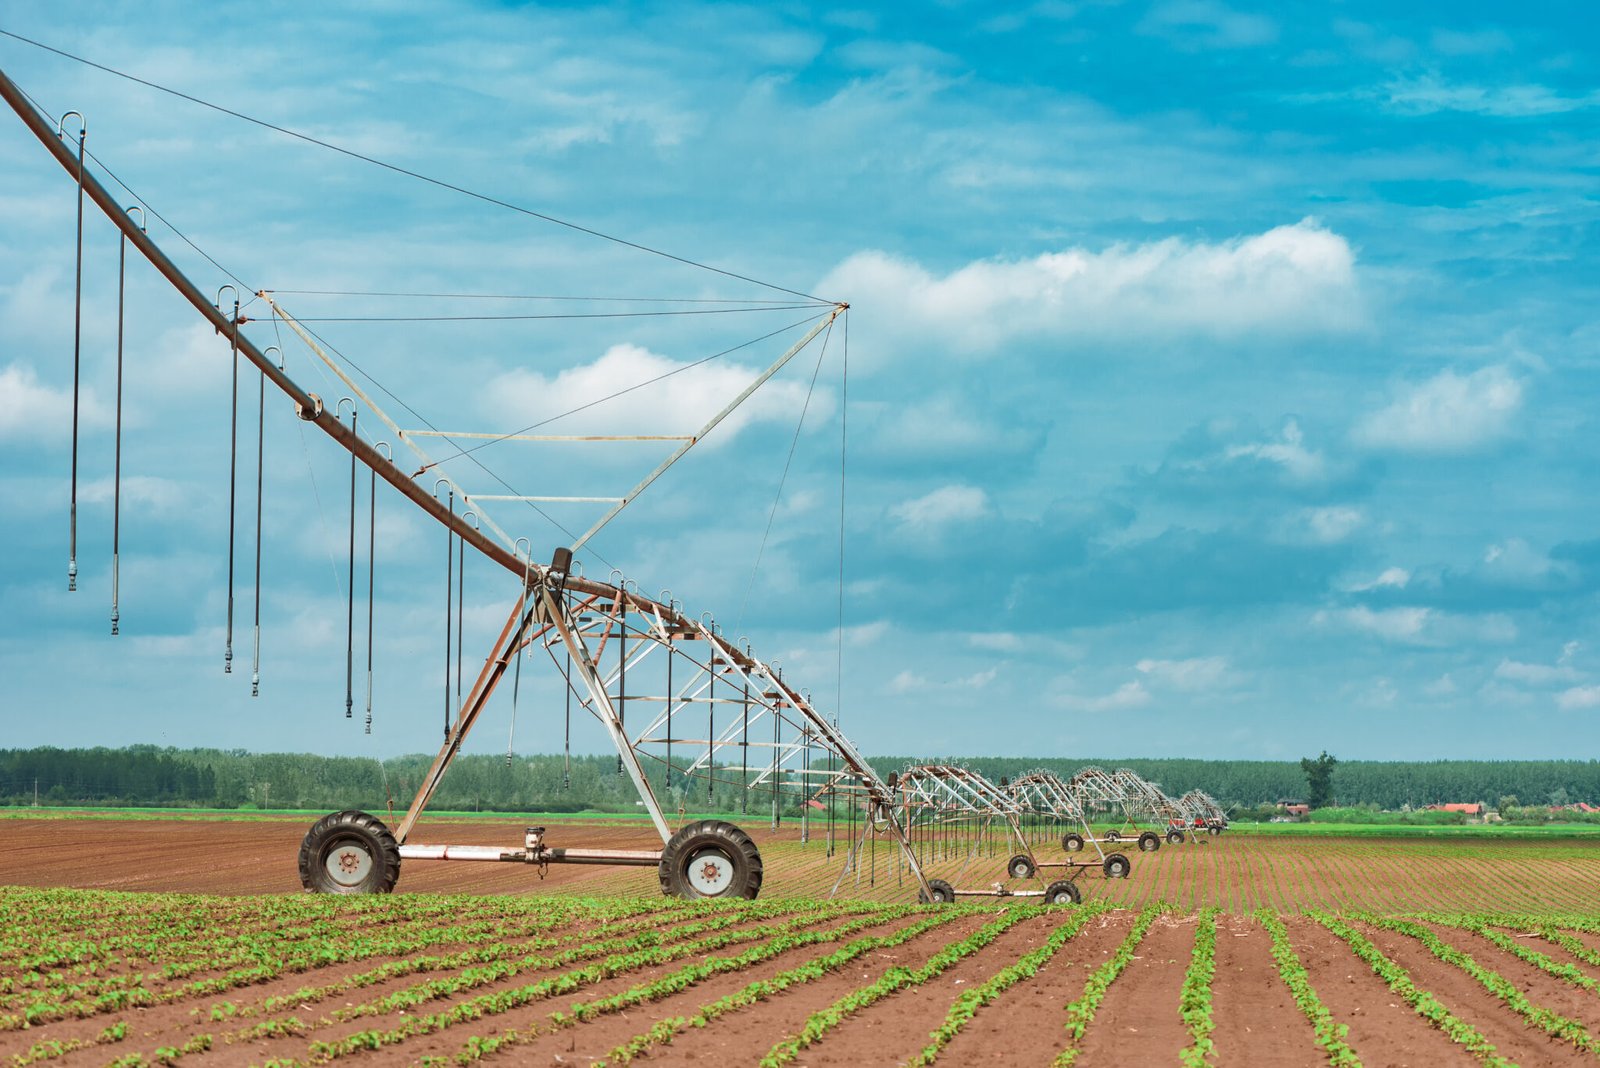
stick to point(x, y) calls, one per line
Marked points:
point(348, 864)
point(710, 872)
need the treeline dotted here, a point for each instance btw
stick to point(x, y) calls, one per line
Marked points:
point(215, 778)
point(236, 779)
point(1386, 784)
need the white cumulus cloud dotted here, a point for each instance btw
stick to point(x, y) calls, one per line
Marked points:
point(1291, 279)
point(1579, 697)
point(1447, 413)
point(29, 408)
point(678, 399)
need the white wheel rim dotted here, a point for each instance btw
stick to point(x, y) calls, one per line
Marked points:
point(349, 864)
point(710, 872)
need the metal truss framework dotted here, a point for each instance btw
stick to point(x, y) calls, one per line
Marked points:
point(613, 636)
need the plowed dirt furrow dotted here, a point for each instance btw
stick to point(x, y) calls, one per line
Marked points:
point(172, 1024)
point(900, 1024)
point(1384, 1031)
point(1256, 1019)
point(1466, 998)
point(1024, 1024)
point(1542, 989)
point(331, 1030)
point(1138, 1022)
point(742, 1036)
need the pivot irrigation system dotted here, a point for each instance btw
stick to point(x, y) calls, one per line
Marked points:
point(683, 704)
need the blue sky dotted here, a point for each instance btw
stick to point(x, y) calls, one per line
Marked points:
point(1221, 378)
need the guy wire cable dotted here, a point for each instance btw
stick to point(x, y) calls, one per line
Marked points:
point(116, 475)
point(77, 342)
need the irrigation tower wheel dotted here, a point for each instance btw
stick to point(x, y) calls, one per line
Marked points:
point(1116, 866)
point(1174, 836)
point(1215, 830)
point(349, 852)
point(1072, 842)
point(939, 892)
point(1064, 892)
point(710, 858)
point(1113, 835)
point(1021, 866)
point(1149, 842)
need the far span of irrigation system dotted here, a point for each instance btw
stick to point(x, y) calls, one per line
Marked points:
point(681, 703)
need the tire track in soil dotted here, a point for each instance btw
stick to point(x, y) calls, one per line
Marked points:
point(1138, 1022)
point(175, 1020)
point(321, 1026)
point(897, 1026)
point(590, 1040)
point(1466, 998)
point(1256, 1019)
point(1024, 1024)
point(1384, 1031)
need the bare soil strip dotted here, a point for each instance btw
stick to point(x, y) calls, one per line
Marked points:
point(1467, 998)
point(1383, 1028)
point(1542, 989)
point(901, 1024)
point(1256, 1019)
point(1024, 1025)
point(593, 1039)
point(1138, 1022)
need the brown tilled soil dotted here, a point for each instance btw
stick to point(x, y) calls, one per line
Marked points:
point(1024, 1025)
point(1467, 999)
point(1138, 1021)
point(1384, 1031)
point(1256, 1019)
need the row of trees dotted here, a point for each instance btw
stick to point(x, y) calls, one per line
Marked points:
point(148, 775)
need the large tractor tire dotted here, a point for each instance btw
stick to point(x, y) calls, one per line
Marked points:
point(349, 852)
point(1149, 842)
point(710, 858)
point(1113, 835)
point(1021, 866)
point(1116, 866)
point(1064, 892)
point(1174, 836)
point(1072, 842)
point(939, 892)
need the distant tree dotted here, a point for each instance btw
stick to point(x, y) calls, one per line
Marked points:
point(1507, 801)
point(1319, 779)
point(1559, 798)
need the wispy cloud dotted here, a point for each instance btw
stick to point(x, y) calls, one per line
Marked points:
point(1128, 695)
point(1448, 413)
point(945, 505)
point(1428, 94)
point(1193, 25)
point(1195, 673)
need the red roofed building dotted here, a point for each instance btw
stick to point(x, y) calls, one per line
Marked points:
point(1472, 808)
